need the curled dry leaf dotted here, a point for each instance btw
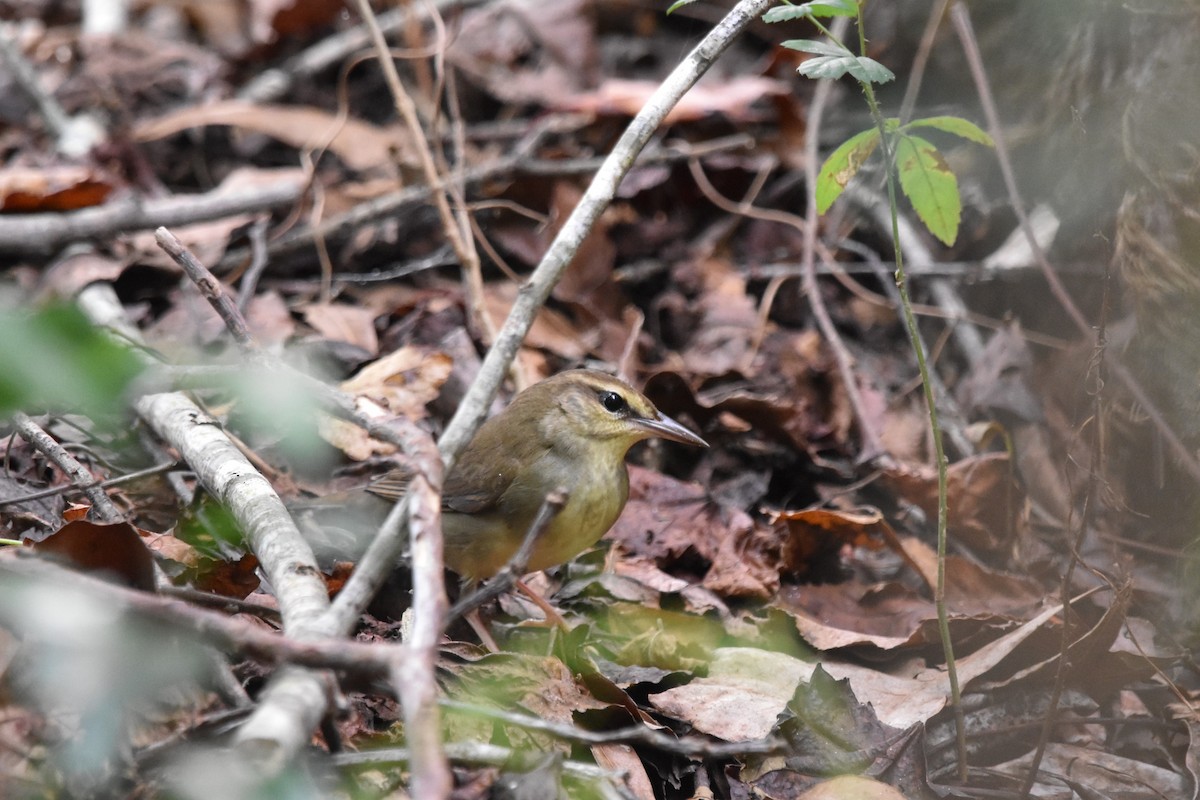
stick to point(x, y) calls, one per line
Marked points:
point(343, 323)
point(399, 384)
point(986, 505)
point(53, 188)
point(361, 146)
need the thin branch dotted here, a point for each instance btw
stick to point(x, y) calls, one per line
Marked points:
point(458, 235)
point(225, 306)
point(117, 481)
point(80, 476)
point(692, 746)
point(228, 634)
point(34, 234)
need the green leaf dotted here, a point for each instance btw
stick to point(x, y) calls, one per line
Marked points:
point(834, 61)
point(955, 125)
point(842, 165)
point(678, 4)
point(830, 8)
point(930, 185)
point(53, 358)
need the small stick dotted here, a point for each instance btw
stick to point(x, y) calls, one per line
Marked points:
point(81, 477)
point(117, 481)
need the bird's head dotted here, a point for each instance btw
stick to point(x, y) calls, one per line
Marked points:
point(593, 409)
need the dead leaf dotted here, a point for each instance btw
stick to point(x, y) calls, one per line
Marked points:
point(986, 506)
point(852, 787)
point(344, 323)
point(114, 550)
point(53, 188)
point(361, 146)
point(398, 384)
point(745, 691)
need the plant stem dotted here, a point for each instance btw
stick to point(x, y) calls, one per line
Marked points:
point(910, 324)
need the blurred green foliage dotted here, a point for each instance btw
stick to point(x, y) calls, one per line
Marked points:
point(53, 359)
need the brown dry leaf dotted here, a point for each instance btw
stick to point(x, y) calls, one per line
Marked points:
point(852, 787)
point(671, 523)
point(109, 549)
point(70, 274)
point(903, 700)
point(274, 19)
point(170, 547)
point(1105, 774)
point(75, 512)
point(986, 506)
point(745, 691)
point(588, 280)
point(971, 589)
point(269, 319)
point(551, 331)
point(209, 240)
point(361, 146)
point(814, 531)
point(398, 384)
point(528, 51)
point(343, 323)
point(229, 578)
point(192, 319)
point(831, 616)
point(732, 98)
point(621, 759)
point(53, 188)
point(890, 615)
point(721, 337)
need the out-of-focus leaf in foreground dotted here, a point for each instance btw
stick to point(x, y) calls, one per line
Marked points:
point(53, 358)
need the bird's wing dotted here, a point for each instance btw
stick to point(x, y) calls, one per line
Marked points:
point(491, 462)
point(480, 478)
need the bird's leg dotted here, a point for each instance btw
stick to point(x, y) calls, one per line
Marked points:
point(473, 619)
point(552, 615)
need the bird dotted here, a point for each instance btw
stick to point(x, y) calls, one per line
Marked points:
point(569, 432)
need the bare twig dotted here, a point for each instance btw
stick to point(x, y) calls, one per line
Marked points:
point(272, 84)
point(692, 746)
point(210, 287)
point(33, 234)
point(294, 701)
point(80, 476)
point(117, 481)
point(227, 634)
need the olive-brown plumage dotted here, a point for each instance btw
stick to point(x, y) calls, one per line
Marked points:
point(570, 431)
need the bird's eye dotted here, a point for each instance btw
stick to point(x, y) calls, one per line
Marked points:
point(613, 402)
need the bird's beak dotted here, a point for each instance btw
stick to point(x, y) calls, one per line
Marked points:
point(664, 427)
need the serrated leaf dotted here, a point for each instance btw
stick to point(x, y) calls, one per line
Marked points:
point(834, 62)
point(842, 165)
point(678, 4)
point(816, 46)
point(834, 8)
point(930, 186)
point(955, 125)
